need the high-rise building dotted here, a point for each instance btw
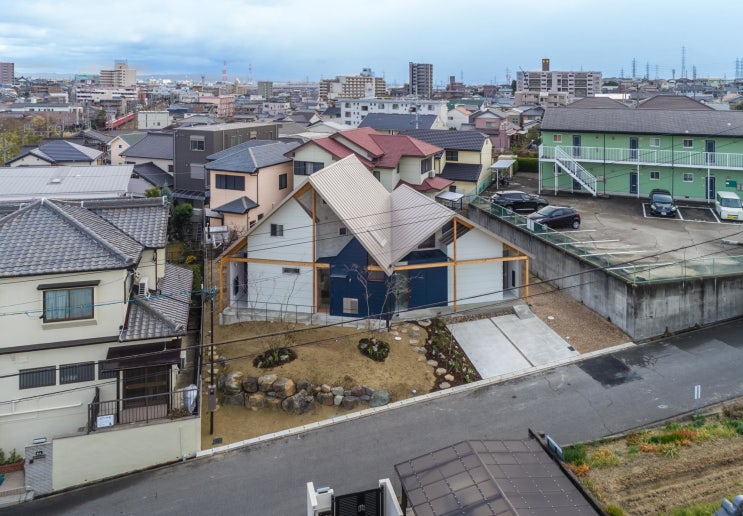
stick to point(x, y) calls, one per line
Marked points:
point(364, 85)
point(265, 89)
point(120, 77)
point(421, 80)
point(7, 73)
point(575, 84)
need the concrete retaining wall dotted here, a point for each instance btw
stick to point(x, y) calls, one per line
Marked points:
point(642, 310)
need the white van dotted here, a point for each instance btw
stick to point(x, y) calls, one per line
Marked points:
point(728, 207)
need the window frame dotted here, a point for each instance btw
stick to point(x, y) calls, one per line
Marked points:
point(83, 371)
point(654, 142)
point(197, 144)
point(229, 182)
point(452, 155)
point(283, 181)
point(655, 175)
point(68, 307)
point(688, 143)
point(290, 270)
point(44, 381)
point(277, 230)
point(556, 138)
point(688, 177)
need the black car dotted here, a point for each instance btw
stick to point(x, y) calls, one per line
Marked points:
point(661, 203)
point(515, 200)
point(557, 217)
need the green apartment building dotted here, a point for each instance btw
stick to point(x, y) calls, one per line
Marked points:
point(629, 152)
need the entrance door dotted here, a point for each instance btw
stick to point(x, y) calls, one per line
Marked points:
point(633, 181)
point(633, 146)
point(711, 188)
point(576, 145)
point(709, 149)
point(323, 290)
point(143, 382)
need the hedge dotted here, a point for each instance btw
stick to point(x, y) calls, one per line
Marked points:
point(528, 164)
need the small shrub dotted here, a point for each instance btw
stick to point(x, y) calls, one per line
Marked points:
point(579, 470)
point(632, 450)
point(575, 454)
point(648, 447)
point(603, 458)
point(613, 510)
point(274, 357)
point(377, 350)
point(668, 449)
point(635, 438)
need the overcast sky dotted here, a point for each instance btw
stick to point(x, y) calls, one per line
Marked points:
point(479, 41)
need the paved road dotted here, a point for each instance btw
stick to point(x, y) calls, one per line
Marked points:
point(586, 400)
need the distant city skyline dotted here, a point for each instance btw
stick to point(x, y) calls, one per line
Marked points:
point(481, 42)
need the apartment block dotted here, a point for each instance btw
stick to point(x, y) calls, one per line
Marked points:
point(353, 86)
point(120, 77)
point(7, 72)
point(421, 80)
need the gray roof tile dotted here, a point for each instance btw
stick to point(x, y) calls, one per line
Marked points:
point(398, 122)
point(145, 220)
point(239, 206)
point(461, 172)
point(450, 140)
point(156, 145)
point(252, 158)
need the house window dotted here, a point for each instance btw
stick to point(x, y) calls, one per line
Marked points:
point(453, 188)
point(170, 168)
point(305, 168)
point(688, 144)
point(343, 231)
point(283, 182)
point(364, 108)
point(197, 143)
point(37, 377)
point(491, 124)
point(654, 175)
point(370, 274)
point(260, 216)
point(106, 375)
point(350, 305)
point(557, 138)
point(426, 165)
point(277, 230)
point(452, 155)
point(377, 175)
point(655, 142)
point(290, 270)
point(688, 177)
point(75, 373)
point(68, 304)
point(225, 182)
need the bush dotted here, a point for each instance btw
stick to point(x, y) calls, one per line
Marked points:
point(603, 458)
point(613, 510)
point(377, 350)
point(575, 454)
point(528, 164)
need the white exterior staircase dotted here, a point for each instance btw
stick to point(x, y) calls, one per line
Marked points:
point(566, 162)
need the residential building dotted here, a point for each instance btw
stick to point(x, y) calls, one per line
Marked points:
point(574, 83)
point(153, 120)
point(493, 122)
point(353, 111)
point(265, 89)
point(193, 144)
point(465, 160)
point(545, 99)
point(391, 159)
point(248, 180)
point(458, 116)
point(7, 73)
point(120, 143)
point(224, 104)
point(344, 245)
point(420, 82)
point(57, 153)
point(95, 334)
point(364, 85)
point(120, 77)
point(619, 151)
point(66, 113)
point(156, 147)
point(393, 123)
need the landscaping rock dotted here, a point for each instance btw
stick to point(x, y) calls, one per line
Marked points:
point(425, 323)
point(440, 371)
point(432, 363)
point(284, 387)
point(338, 391)
point(413, 342)
point(357, 391)
point(300, 403)
point(421, 350)
point(444, 385)
point(379, 398)
point(250, 384)
point(273, 403)
point(365, 398)
point(303, 385)
point(256, 401)
point(337, 400)
point(325, 388)
point(265, 382)
point(233, 382)
point(449, 377)
point(350, 402)
point(368, 390)
point(325, 398)
point(234, 400)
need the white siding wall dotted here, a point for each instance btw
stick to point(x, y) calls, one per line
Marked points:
point(479, 279)
point(389, 178)
point(271, 288)
point(311, 153)
point(329, 240)
point(410, 170)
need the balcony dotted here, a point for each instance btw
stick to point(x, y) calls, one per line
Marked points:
point(142, 409)
point(661, 158)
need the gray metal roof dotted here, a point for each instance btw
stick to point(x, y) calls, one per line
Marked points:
point(145, 220)
point(597, 102)
point(672, 102)
point(62, 151)
point(156, 145)
point(450, 140)
point(164, 313)
point(48, 237)
point(644, 121)
point(153, 174)
point(507, 478)
point(251, 156)
point(132, 138)
point(461, 171)
point(239, 206)
point(397, 122)
point(96, 135)
point(66, 182)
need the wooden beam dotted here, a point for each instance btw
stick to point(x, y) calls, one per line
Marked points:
point(281, 262)
point(302, 190)
point(455, 264)
point(473, 261)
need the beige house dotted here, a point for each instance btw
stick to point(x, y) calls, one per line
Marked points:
point(121, 143)
point(248, 180)
point(58, 153)
point(94, 341)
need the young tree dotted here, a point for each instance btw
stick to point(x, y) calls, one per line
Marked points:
point(180, 219)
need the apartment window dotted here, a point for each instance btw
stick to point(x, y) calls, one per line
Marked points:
point(654, 175)
point(364, 108)
point(74, 373)
point(380, 106)
point(452, 155)
point(68, 304)
point(305, 168)
point(350, 305)
point(197, 170)
point(277, 230)
point(430, 107)
point(348, 104)
point(290, 270)
point(688, 177)
point(395, 106)
point(197, 143)
point(343, 231)
point(283, 181)
point(225, 182)
point(37, 377)
point(426, 165)
point(557, 138)
point(655, 142)
point(348, 114)
point(688, 144)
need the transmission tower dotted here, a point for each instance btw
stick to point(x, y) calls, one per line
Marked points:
point(634, 68)
point(683, 62)
point(224, 72)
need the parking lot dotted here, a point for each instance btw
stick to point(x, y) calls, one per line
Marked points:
point(623, 227)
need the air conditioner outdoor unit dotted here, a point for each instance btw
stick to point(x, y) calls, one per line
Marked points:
point(142, 290)
point(319, 501)
point(432, 173)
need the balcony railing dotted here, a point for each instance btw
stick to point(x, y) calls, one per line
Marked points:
point(665, 158)
point(143, 409)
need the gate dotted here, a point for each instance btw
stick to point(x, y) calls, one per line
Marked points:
point(363, 503)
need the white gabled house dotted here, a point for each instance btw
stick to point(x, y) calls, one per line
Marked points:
point(342, 244)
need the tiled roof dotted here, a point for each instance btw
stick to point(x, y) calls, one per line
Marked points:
point(48, 237)
point(450, 140)
point(153, 174)
point(645, 121)
point(672, 102)
point(132, 138)
point(96, 135)
point(164, 313)
point(239, 206)
point(597, 102)
point(462, 171)
point(396, 146)
point(145, 220)
point(436, 183)
point(58, 151)
point(397, 121)
point(66, 182)
point(250, 158)
point(156, 145)
point(361, 137)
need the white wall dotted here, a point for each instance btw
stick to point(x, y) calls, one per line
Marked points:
point(478, 279)
point(410, 170)
point(312, 153)
point(106, 453)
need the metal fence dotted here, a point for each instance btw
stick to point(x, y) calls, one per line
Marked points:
point(250, 310)
point(143, 409)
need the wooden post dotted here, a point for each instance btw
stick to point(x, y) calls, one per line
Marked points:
point(456, 294)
